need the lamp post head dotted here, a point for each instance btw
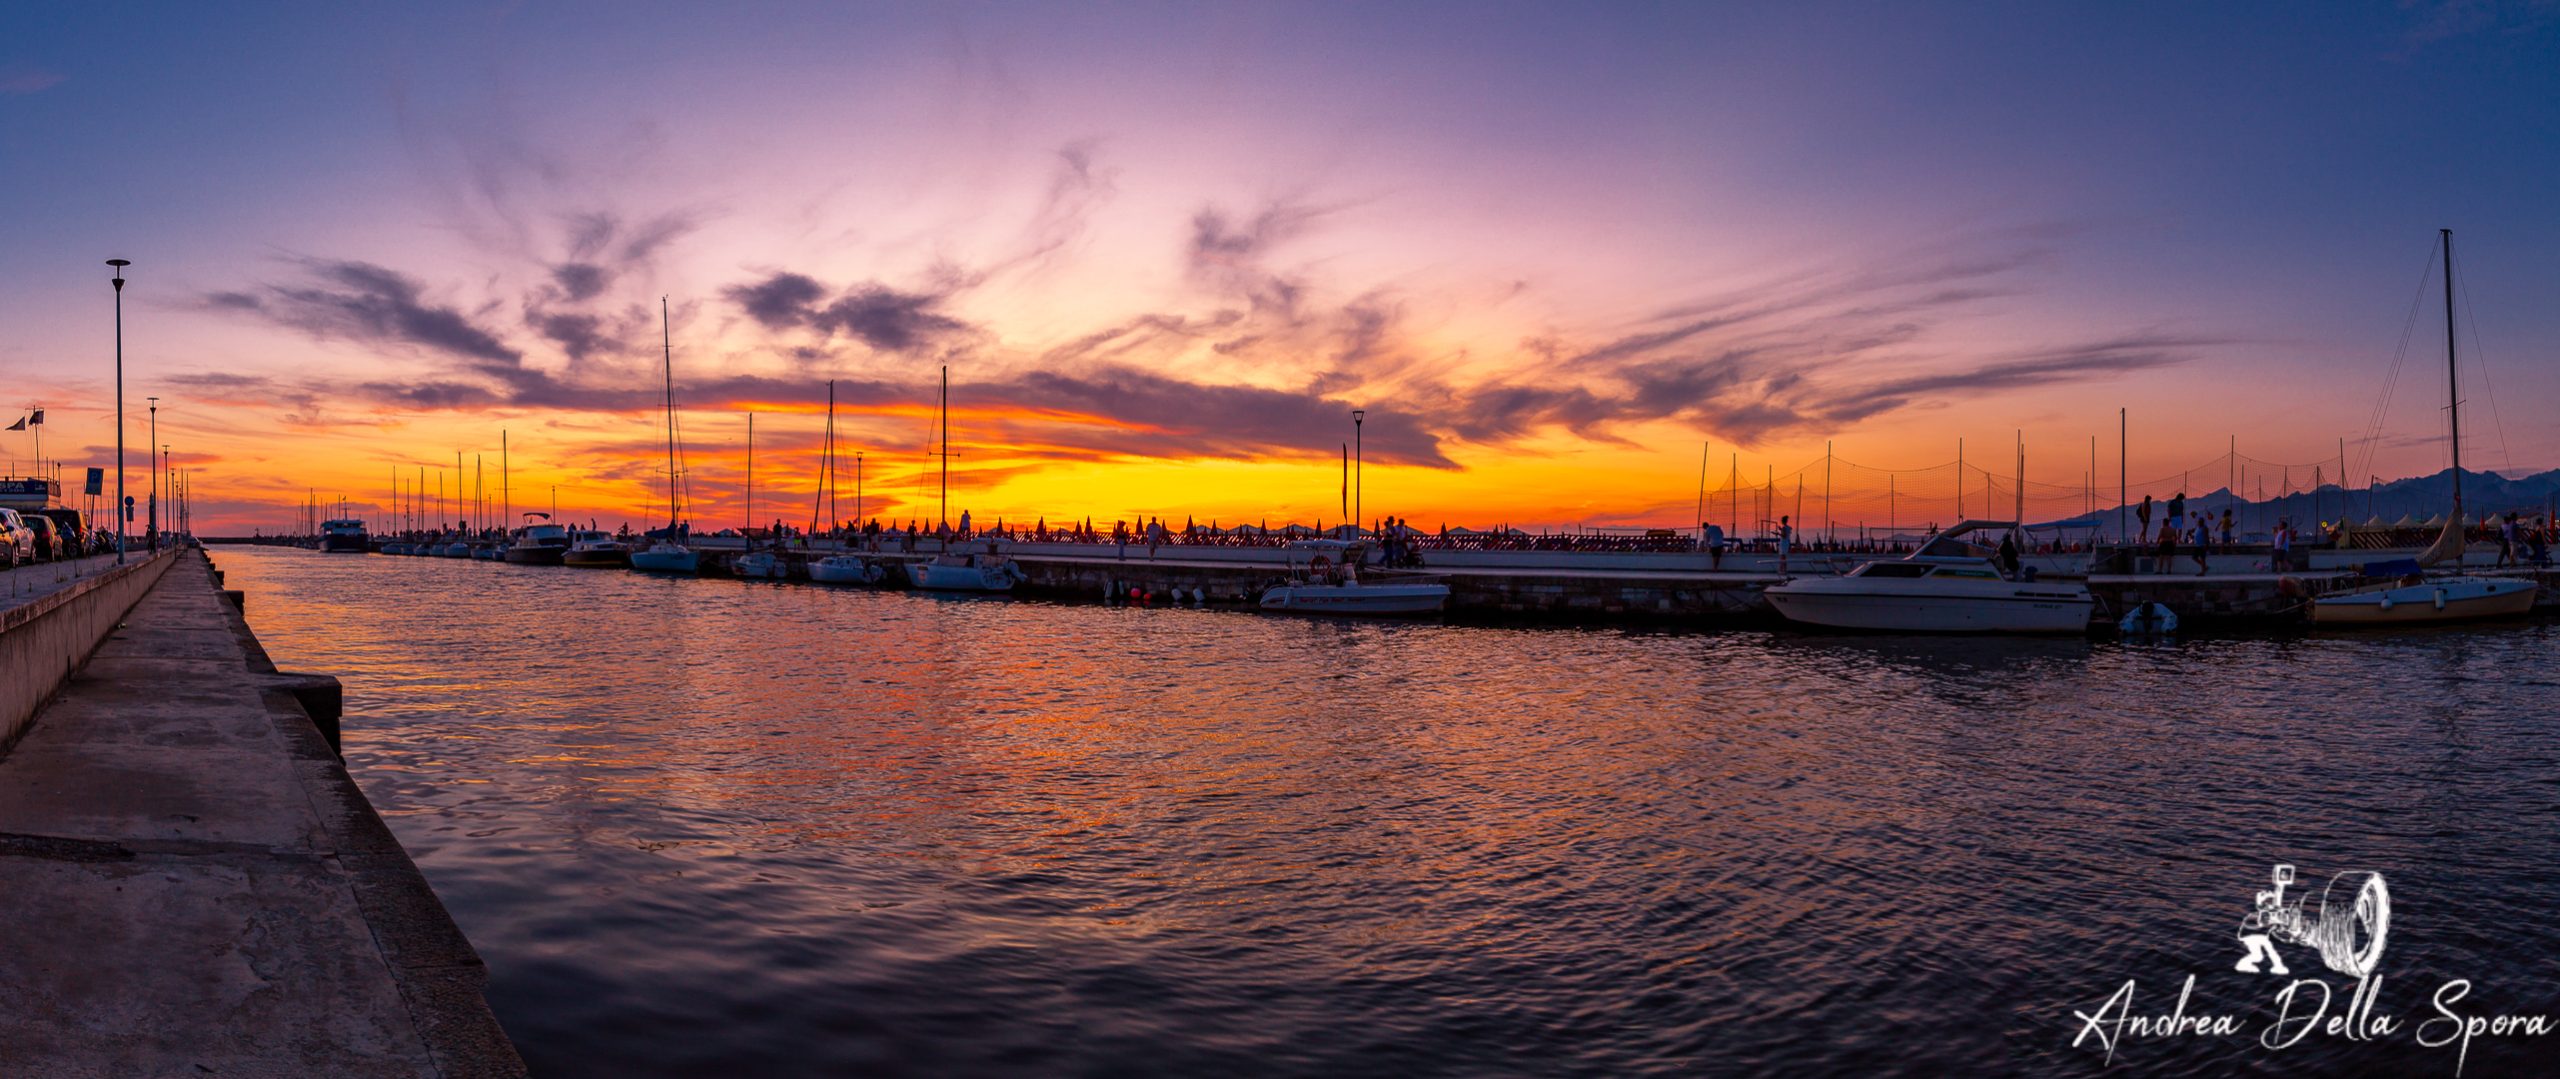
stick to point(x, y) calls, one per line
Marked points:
point(119, 265)
point(1358, 413)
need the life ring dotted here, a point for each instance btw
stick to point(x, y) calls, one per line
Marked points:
point(1318, 564)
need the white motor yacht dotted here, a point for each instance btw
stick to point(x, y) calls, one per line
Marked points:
point(1949, 585)
point(539, 545)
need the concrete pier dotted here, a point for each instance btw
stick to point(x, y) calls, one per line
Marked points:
point(195, 886)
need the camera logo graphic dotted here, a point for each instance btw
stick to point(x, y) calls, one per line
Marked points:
point(2348, 928)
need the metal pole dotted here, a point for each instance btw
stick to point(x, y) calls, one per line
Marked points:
point(119, 507)
point(2123, 491)
point(151, 517)
point(1706, 452)
point(1357, 514)
point(2453, 386)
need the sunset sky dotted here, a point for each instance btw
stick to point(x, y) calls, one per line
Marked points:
point(1166, 249)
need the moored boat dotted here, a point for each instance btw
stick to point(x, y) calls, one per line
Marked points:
point(2413, 598)
point(594, 550)
point(2418, 601)
point(1948, 585)
point(761, 565)
point(344, 536)
point(963, 571)
point(1330, 583)
point(539, 544)
point(847, 569)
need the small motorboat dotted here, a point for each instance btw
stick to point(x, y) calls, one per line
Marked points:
point(966, 571)
point(1948, 585)
point(847, 569)
point(1329, 583)
point(596, 550)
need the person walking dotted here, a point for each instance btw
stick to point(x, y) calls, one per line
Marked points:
point(2507, 539)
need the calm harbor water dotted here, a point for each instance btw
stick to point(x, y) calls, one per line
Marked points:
point(702, 827)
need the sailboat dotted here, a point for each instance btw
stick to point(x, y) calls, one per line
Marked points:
point(666, 553)
point(767, 564)
point(961, 571)
point(843, 567)
point(2414, 598)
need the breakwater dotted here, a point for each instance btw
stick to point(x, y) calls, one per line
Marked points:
point(1633, 587)
point(205, 888)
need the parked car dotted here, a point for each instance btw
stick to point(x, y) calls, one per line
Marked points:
point(16, 539)
point(74, 529)
point(48, 541)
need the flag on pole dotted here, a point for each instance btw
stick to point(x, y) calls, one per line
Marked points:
point(36, 419)
point(21, 425)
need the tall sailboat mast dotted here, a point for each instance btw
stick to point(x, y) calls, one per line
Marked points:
point(2453, 378)
point(946, 446)
point(751, 484)
point(667, 347)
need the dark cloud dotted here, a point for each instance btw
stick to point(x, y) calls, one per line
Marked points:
point(581, 281)
point(779, 302)
point(884, 318)
point(580, 336)
point(362, 302)
point(887, 320)
point(1172, 417)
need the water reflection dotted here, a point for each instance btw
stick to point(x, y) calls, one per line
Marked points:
point(699, 825)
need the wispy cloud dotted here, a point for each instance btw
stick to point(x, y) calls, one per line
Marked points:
point(17, 79)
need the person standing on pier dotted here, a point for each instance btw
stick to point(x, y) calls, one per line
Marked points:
point(1715, 547)
point(1786, 540)
point(2167, 553)
point(2226, 528)
point(2507, 539)
point(2178, 510)
point(2283, 547)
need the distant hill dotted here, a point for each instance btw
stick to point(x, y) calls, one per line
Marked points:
point(2418, 497)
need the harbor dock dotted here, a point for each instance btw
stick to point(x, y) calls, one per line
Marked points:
point(200, 885)
point(1657, 588)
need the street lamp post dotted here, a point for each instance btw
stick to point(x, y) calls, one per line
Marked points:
point(1357, 415)
point(151, 516)
point(119, 508)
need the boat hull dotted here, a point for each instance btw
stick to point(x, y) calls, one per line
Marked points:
point(2049, 609)
point(831, 571)
point(2453, 599)
point(1364, 599)
point(350, 544)
point(933, 578)
point(676, 562)
point(535, 556)
point(761, 566)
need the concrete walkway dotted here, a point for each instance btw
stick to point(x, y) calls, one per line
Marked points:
point(193, 885)
point(37, 579)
